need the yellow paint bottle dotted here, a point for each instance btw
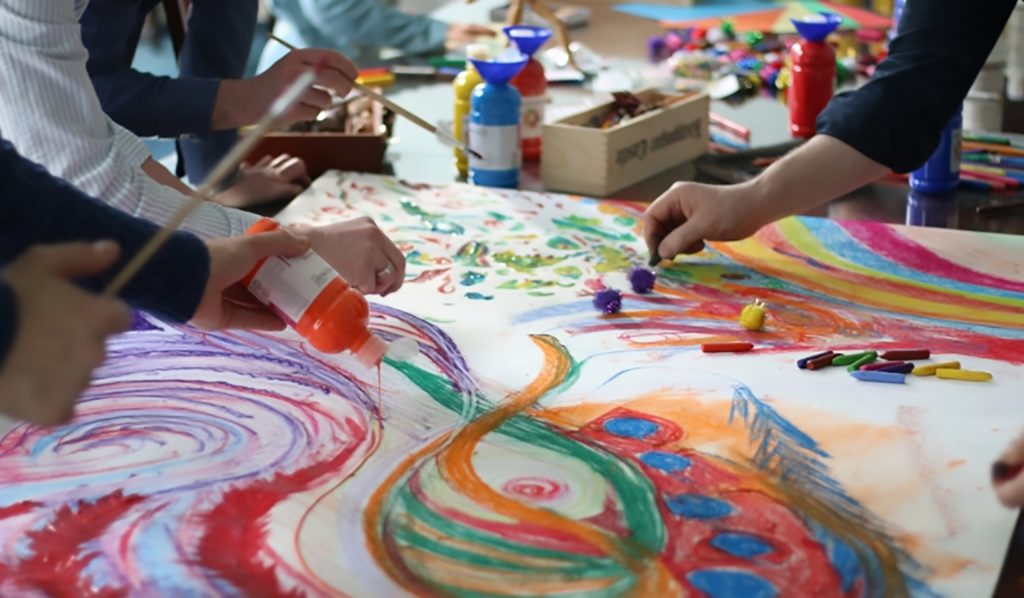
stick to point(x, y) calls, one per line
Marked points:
point(464, 84)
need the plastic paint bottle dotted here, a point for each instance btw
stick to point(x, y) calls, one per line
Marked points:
point(464, 84)
point(494, 122)
point(532, 85)
point(941, 173)
point(813, 73)
point(313, 299)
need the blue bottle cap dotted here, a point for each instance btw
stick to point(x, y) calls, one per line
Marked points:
point(817, 27)
point(502, 68)
point(527, 37)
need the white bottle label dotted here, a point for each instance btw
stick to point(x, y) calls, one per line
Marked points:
point(499, 146)
point(533, 116)
point(288, 285)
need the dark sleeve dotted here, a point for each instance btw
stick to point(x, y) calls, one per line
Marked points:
point(897, 117)
point(220, 36)
point(8, 319)
point(145, 104)
point(39, 208)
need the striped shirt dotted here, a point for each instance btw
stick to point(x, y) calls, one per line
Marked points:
point(50, 112)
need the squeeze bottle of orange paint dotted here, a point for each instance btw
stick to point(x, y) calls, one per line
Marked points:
point(316, 301)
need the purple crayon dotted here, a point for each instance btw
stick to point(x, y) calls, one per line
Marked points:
point(898, 368)
point(879, 376)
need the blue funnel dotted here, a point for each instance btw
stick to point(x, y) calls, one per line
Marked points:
point(501, 69)
point(815, 28)
point(527, 37)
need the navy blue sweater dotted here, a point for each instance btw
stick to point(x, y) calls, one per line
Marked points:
point(897, 117)
point(36, 207)
point(216, 47)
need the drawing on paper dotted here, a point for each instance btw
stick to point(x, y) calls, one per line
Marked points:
point(535, 445)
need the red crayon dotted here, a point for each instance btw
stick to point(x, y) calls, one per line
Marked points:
point(1004, 472)
point(880, 365)
point(906, 354)
point(821, 362)
point(726, 347)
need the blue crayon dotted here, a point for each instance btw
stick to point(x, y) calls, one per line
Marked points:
point(802, 363)
point(878, 376)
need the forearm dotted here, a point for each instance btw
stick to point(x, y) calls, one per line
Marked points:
point(233, 107)
point(817, 172)
point(160, 174)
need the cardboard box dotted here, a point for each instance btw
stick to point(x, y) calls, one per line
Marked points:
point(598, 162)
point(323, 151)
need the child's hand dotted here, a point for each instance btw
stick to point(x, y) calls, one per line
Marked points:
point(1011, 491)
point(61, 330)
point(690, 213)
point(361, 253)
point(228, 304)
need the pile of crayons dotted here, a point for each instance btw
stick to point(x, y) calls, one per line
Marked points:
point(991, 163)
point(893, 367)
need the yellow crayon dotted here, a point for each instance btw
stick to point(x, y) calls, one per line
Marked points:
point(930, 369)
point(971, 375)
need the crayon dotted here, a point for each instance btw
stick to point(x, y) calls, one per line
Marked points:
point(929, 369)
point(881, 365)
point(906, 354)
point(852, 357)
point(899, 367)
point(821, 362)
point(802, 362)
point(864, 360)
point(966, 375)
point(726, 347)
point(877, 376)
point(1004, 472)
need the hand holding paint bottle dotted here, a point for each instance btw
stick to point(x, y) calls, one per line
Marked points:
point(316, 301)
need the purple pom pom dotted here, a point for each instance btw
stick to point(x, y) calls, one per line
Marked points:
point(642, 280)
point(608, 300)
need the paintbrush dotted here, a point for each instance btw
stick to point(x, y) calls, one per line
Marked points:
point(1000, 208)
point(444, 136)
point(225, 168)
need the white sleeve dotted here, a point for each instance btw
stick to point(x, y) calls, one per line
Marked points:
point(50, 112)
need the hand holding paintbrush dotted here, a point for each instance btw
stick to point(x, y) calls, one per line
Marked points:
point(442, 135)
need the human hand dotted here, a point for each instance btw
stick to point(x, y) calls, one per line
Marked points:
point(226, 303)
point(270, 179)
point(361, 253)
point(460, 34)
point(690, 213)
point(242, 102)
point(61, 330)
point(1010, 491)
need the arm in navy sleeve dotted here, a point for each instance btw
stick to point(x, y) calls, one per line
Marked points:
point(39, 208)
point(897, 117)
point(220, 36)
point(143, 103)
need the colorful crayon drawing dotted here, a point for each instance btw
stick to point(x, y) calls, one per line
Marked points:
point(536, 446)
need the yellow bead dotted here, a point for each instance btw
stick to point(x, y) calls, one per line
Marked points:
point(752, 316)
